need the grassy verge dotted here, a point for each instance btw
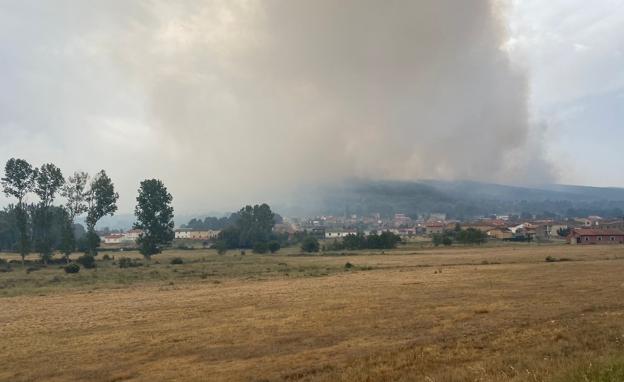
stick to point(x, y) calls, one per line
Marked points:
point(201, 266)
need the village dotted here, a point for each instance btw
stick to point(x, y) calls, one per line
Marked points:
point(589, 230)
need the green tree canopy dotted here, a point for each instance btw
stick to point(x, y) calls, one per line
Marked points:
point(17, 182)
point(154, 215)
point(101, 200)
point(48, 180)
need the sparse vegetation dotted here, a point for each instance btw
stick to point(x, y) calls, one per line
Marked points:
point(87, 261)
point(402, 297)
point(176, 261)
point(72, 268)
point(310, 244)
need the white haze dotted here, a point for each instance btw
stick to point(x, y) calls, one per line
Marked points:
point(231, 102)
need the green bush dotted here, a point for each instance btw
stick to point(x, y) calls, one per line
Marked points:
point(72, 268)
point(274, 246)
point(260, 247)
point(310, 244)
point(126, 262)
point(221, 247)
point(87, 261)
point(177, 260)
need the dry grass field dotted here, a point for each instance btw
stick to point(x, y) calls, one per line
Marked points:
point(456, 314)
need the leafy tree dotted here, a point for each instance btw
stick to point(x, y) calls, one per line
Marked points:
point(75, 192)
point(68, 239)
point(252, 225)
point(445, 238)
point(386, 240)
point(18, 182)
point(87, 261)
point(260, 247)
point(353, 242)
point(274, 246)
point(154, 216)
point(310, 244)
point(9, 235)
point(101, 200)
point(437, 239)
point(472, 236)
point(210, 222)
point(221, 247)
point(47, 182)
point(564, 232)
point(230, 236)
point(72, 268)
point(255, 225)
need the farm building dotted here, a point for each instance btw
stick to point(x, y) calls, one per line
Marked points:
point(113, 238)
point(195, 234)
point(339, 234)
point(435, 228)
point(588, 236)
point(500, 233)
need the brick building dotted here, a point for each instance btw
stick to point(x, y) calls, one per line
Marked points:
point(588, 236)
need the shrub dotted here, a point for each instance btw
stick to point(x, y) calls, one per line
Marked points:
point(274, 246)
point(310, 244)
point(106, 257)
point(221, 247)
point(260, 247)
point(87, 261)
point(437, 239)
point(177, 260)
point(348, 266)
point(129, 263)
point(72, 268)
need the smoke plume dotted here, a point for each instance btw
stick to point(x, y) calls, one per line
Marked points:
point(231, 101)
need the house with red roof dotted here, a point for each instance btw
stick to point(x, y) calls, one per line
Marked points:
point(589, 236)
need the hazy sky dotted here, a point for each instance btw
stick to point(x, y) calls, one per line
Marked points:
point(232, 101)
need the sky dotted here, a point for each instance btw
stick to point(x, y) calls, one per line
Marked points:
point(232, 102)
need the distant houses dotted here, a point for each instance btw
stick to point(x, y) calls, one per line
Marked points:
point(339, 234)
point(195, 234)
point(434, 228)
point(593, 236)
point(127, 238)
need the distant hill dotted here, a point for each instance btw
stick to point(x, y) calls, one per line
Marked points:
point(458, 199)
point(461, 199)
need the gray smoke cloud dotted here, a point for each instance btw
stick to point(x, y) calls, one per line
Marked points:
point(237, 101)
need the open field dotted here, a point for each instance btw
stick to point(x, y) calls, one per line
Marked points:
point(456, 314)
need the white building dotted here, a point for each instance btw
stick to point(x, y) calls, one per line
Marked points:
point(183, 233)
point(338, 234)
point(114, 238)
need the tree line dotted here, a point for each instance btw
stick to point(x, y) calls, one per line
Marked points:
point(252, 228)
point(459, 235)
point(384, 240)
point(43, 227)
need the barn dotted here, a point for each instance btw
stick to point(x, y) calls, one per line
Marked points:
point(588, 236)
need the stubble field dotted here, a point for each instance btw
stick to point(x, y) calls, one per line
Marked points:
point(457, 314)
